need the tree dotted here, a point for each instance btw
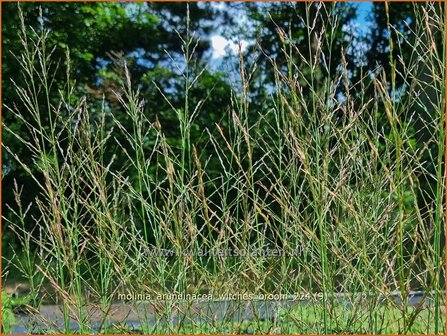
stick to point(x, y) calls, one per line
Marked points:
point(97, 36)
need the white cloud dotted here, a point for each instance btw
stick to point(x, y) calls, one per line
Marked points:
point(221, 46)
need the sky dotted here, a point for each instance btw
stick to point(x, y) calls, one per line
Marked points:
point(220, 45)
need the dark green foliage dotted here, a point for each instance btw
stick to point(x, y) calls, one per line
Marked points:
point(101, 37)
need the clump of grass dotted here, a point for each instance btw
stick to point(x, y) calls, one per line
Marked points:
point(8, 317)
point(331, 173)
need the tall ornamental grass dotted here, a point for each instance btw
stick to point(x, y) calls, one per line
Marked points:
point(328, 173)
